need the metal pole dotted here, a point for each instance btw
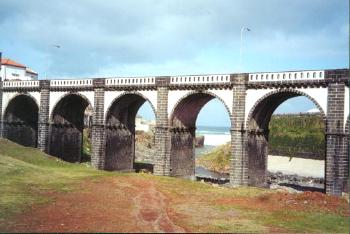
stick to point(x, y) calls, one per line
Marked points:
point(241, 48)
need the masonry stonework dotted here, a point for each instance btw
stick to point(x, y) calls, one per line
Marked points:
point(239, 160)
point(337, 167)
point(253, 98)
point(98, 125)
point(44, 123)
point(162, 130)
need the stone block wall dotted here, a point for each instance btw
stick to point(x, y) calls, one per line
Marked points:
point(257, 158)
point(44, 122)
point(98, 125)
point(245, 170)
point(336, 141)
point(20, 121)
point(182, 153)
point(239, 160)
point(162, 132)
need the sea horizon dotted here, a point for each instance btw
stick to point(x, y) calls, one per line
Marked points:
point(214, 135)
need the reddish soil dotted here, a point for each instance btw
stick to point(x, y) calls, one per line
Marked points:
point(136, 204)
point(307, 201)
point(103, 206)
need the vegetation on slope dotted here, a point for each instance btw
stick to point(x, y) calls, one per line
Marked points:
point(297, 136)
point(27, 173)
point(217, 160)
point(84, 201)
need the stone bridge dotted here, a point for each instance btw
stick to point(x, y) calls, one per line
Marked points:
point(48, 114)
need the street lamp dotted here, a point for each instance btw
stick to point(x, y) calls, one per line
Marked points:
point(56, 46)
point(241, 46)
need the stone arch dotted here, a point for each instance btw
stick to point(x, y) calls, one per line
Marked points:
point(182, 123)
point(120, 130)
point(289, 93)
point(66, 129)
point(64, 96)
point(126, 93)
point(199, 92)
point(257, 125)
point(20, 120)
point(16, 95)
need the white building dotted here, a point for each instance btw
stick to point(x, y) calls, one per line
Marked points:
point(12, 70)
point(143, 124)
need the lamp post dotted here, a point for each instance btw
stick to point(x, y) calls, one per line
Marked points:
point(47, 60)
point(241, 47)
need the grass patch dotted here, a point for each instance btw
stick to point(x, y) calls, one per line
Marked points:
point(27, 173)
point(303, 221)
point(216, 160)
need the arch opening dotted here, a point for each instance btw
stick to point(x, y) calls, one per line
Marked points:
point(145, 148)
point(21, 121)
point(120, 132)
point(291, 136)
point(66, 130)
point(183, 133)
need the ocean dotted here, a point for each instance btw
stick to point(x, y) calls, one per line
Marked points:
point(214, 136)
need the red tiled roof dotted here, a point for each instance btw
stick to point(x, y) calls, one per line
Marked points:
point(6, 61)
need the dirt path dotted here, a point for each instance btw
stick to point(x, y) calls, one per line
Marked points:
point(101, 206)
point(151, 211)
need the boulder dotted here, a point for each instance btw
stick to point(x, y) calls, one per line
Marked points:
point(199, 142)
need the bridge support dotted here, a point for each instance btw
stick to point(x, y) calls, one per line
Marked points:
point(98, 127)
point(162, 134)
point(336, 141)
point(182, 161)
point(257, 158)
point(43, 123)
point(239, 164)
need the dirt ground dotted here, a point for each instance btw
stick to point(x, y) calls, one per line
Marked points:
point(101, 206)
point(135, 204)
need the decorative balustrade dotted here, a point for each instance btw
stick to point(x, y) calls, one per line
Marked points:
point(21, 84)
point(200, 79)
point(286, 76)
point(131, 81)
point(71, 83)
point(189, 79)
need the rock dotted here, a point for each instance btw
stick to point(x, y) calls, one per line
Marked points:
point(199, 142)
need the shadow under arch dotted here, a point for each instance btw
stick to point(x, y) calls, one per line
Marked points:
point(258, 132)
point(120, 131)
point(66, 129)
point(20, 122)
point(183, 129)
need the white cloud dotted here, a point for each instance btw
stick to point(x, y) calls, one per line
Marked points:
point(104, 37)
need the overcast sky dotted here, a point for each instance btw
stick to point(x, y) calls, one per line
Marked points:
point(159, 37)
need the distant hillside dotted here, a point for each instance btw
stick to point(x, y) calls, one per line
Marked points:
point(299, 135)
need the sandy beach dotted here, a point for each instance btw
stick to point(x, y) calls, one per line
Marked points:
point(300, 166)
